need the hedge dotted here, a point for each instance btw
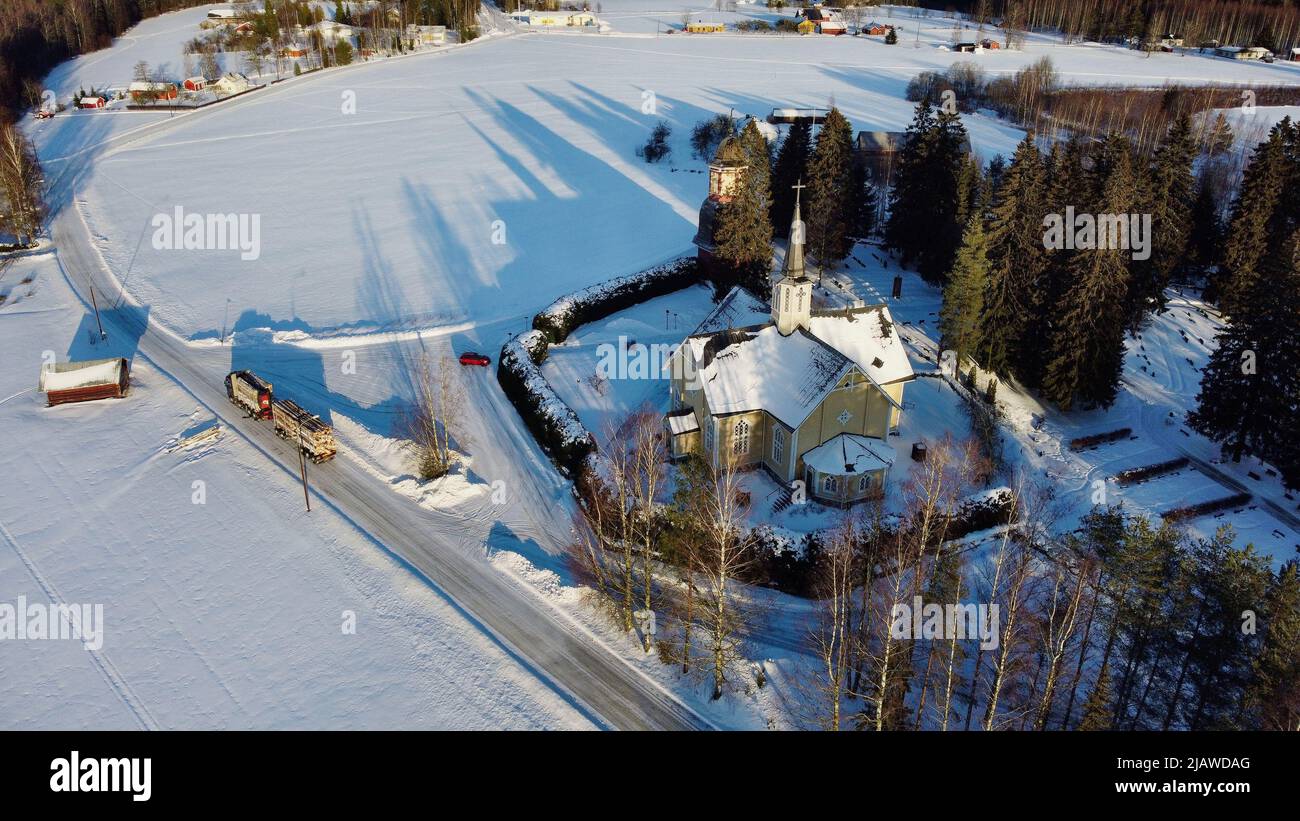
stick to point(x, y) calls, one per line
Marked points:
point(1085, 442)
point(553, 423)
point(1180, 514)
point(598, 301)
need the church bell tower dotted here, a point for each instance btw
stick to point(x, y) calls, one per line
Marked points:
point(792, 293)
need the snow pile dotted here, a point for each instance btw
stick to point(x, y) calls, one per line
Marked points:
point(69, 375)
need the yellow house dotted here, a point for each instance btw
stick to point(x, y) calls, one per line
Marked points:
point(807, 27)
point(811, 395)
point(705, 28)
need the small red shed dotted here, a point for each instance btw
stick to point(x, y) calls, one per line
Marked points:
point(83, 381)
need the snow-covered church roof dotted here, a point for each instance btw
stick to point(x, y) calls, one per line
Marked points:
point(756, 368)
point(849, 453)
point(867, 336)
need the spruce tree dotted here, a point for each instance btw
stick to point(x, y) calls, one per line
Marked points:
point(791, 166)
point(1272, 697)
point(1016, 263)
point(862, 202)
point(925, 210)
point(1096, 710)
point(1170, 197)
point(1247, 238)
point(1206, 233)
point(744, 231)
point(908, 225)
point(963, 296)
point(1066, 183)
point(1087, 345)
point(1251, 386)
point(830, 200)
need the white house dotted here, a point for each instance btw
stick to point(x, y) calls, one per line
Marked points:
point(552, 19)
point(331, 31)
point(426, 35)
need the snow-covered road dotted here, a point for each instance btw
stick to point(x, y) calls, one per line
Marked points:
point(592, 677)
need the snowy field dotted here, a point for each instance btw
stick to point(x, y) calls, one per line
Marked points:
point(475, 185)
point(468, 190)
point(228, 613)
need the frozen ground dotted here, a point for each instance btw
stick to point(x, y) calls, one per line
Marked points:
point(475, 185)
point(228, 613)
point(469, 189)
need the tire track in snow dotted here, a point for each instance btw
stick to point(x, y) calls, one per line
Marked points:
point(100, 659)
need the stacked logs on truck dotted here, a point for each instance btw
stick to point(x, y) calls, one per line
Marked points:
point(295, 424)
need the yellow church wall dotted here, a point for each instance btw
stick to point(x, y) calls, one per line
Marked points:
point(727, 436)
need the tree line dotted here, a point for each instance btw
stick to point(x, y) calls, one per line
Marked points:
point(839, 204)
point(36, 35)
point(1122, 623)
point(1275, 26)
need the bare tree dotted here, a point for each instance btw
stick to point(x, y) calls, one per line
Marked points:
point(20, 186)
point(431, 420)
point(1059, 626)
point(832, 631)
point(722, 555)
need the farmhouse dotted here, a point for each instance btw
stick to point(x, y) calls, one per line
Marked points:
point(824, 20)
point(811, 394)
point(813, 116)
point(231, 84)
point(698, 27)
point(875, 29)
point(331, 31)
point(143, 92)
point(223, 16)
point(551, 19)
point(294, 50)
point(1242, 53)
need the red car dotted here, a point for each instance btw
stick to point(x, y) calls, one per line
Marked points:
point(472, 358)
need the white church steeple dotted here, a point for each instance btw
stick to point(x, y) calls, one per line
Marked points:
point(792, 293)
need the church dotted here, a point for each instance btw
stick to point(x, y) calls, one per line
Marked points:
point(809, 395)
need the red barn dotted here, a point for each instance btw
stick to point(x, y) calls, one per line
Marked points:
point(150, 92)
point(83, 381)
point(195, 84)
point(91, 102)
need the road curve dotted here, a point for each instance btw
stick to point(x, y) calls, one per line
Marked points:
point(607, 688)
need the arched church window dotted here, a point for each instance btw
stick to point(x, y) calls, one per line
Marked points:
point(740, 439)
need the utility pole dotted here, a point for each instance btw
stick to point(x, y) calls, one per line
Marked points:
point(95, 304)
point(302, 465)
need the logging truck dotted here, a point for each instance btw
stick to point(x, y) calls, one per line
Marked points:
point(294, 424)
point(247, 390)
